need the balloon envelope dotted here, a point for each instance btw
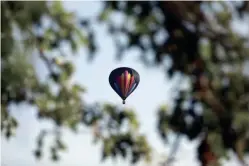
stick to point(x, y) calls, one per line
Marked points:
point(124, 81)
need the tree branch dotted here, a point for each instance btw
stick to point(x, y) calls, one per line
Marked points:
point(173, 150)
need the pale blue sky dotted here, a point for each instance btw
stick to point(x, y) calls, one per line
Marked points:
point(151, 92)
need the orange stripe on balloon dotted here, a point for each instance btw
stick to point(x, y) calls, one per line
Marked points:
point(131, 82)
point(122, 84)
point(127, 82)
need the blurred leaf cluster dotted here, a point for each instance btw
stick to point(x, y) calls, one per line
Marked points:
point(197, 37)
point(44, 28)
point(205, 50)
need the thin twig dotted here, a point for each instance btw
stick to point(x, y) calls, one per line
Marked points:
point(173, 150)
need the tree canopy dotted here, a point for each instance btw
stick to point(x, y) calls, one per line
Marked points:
point(199, 39)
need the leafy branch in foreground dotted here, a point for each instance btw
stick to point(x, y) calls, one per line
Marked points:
point(197, 38)
point(203, 47)
point(45, 28)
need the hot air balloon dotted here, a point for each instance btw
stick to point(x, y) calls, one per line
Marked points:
point(124, 81)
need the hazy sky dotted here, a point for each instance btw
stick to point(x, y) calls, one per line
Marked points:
point(152, 91)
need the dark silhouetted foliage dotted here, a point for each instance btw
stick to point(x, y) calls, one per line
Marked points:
point(197, 38)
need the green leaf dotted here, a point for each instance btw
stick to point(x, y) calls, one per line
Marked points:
point(14, 122)
point(74, 45)
point(57, 7)
point(82, 38)
point(49, 34)
point(163, 108)
point(64, 77)
point(105, 14)
point(67, 71)
point(210, 117)
point(241, 121)
point(108, 146)
point(78, 89)
point(73, 124)
point(110, 109)
point(216, 143)
point(205, 50)
point(41, 102)
point(134, 124)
